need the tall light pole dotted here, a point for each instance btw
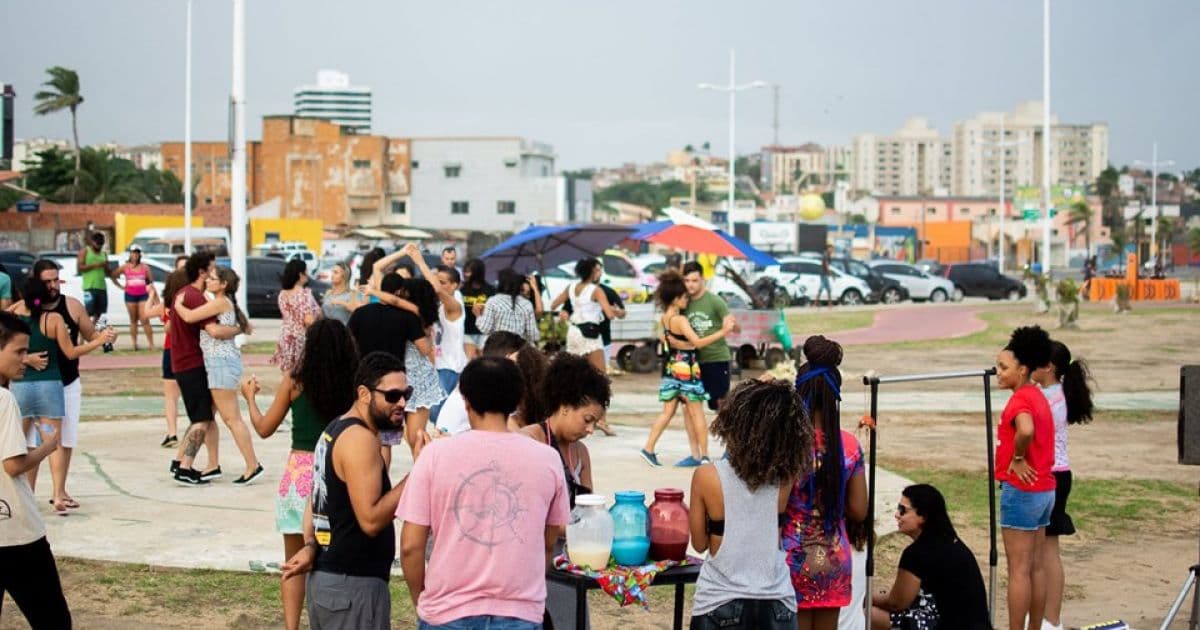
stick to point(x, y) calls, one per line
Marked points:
point(1154, 164)
point(187, 137)
point(1003, 145)
point(733, 88)
point(237, 98)
point(1046, 139)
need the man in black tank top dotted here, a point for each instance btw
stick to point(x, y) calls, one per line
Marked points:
point(349, 537)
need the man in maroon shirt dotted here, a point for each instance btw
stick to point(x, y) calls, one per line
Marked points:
point(187, 362)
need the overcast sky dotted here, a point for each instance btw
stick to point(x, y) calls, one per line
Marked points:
point(614, 81)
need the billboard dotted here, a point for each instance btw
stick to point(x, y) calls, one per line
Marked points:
point(1028, 199)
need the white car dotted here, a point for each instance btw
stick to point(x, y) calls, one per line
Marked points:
point(72, 285)
point(920, 284)
point(801, 276)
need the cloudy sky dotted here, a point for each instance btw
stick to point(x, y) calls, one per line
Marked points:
point(614, 81)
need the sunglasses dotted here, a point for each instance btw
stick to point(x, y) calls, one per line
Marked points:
point(393, 396)
point(902, 509)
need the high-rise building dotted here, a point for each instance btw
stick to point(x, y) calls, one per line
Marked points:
point(916, 160)
point(334, 99)
point(808, 164)
point(1078, 152)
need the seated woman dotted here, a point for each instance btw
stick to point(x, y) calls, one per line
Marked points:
point(737, 505)
point(938, 584)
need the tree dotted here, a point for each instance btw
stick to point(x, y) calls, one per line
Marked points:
point(50, 174)
point(64, 94)
point(1108, 188)
point(160, 186)
point(1081, 212)
point(1164, 232)
point(1119, 237)
point(1194, 240)
point(107, 179)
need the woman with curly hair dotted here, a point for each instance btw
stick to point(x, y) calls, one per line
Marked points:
point(681, 372)
point(737, 505)
point(1024, 463)
point(319, 389)
point(574, 398)
point(821, 502)
point(533, 364)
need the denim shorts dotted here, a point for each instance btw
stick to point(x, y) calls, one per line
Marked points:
point(40, 399)
point(482, 622)
point(476, 340)
point(1026, 511)
point(223, 372)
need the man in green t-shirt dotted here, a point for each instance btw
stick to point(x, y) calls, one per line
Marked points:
point(707, 312)
point(93, 268)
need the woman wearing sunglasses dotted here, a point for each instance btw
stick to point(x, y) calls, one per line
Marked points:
point(938, 584)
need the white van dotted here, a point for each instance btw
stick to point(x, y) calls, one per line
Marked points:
point(144, 237)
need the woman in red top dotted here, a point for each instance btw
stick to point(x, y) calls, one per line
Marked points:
point(1024, 459)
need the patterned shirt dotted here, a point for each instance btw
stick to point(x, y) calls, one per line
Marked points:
point(500, 313)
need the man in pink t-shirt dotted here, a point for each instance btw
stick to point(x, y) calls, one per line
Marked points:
point(496, 503)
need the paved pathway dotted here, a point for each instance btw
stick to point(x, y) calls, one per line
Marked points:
point(132, 512)
point(921, 323)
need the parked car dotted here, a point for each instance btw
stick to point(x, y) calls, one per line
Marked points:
point(801, 276)
point(18, 263)
point(978, 280)
point(932, 267)
point(883, 289)
point(72, 284)
point(921, 286)
point(620, 274)
point(262, 286)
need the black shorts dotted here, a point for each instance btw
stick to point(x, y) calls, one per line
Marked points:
point(1060, 522)
point(715, 377)
point(167, 374)
point(197, 399)
point(97, 305)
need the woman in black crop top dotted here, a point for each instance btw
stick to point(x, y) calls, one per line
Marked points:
point(681, 372)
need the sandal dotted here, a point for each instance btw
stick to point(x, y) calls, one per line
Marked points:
point(68, 502)
point(605, 429)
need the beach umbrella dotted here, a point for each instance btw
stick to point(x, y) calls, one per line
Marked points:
point(694, 238)
point(539, 247)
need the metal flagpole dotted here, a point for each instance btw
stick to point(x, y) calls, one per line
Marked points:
point(237, 215)
point(187, 137)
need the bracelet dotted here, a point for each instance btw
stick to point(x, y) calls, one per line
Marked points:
point(1018, 458)
point(316, 546)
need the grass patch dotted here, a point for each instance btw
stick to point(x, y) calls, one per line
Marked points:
point(259, 347)
point(1098, 506)
point(825, 321)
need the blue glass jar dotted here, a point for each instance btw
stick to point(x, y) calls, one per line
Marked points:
point(631, 528)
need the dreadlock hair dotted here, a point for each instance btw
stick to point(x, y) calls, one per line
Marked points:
point(231, 281)
point(176, 280)
point(509, 283)
point(768, 435)
point(1074, 375)
point(324, 371)
point(533, 365)
point(931, 505)
point(420, 292)
point(818, 382)
point(670, 287)
point(573, 382)
point(1031, 347)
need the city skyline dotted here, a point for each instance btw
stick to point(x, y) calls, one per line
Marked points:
point(613, 84)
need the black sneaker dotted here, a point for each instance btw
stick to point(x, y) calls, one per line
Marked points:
point(174, 466)
point(245, 481)
point(209, 475)
point(186, 477)
point(170, 441)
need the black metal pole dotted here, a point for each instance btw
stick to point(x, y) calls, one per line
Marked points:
point(993, 555)
point(874, 383)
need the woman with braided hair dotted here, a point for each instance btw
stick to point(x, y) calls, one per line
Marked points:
point(821, 502)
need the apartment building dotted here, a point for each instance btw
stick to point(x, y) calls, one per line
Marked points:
point(784, 167)
point(334, 98)
point(915, 160)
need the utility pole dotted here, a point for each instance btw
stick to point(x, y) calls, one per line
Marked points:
point(237, 98)
point(1046, 137)
point(775, 120)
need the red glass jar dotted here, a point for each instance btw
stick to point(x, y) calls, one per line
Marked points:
point(669, 533)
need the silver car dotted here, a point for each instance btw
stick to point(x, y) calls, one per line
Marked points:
point(921, 285)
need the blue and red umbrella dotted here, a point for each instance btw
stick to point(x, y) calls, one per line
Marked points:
point(694, 238)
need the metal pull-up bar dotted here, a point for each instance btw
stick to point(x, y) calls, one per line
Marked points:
point(874, 381)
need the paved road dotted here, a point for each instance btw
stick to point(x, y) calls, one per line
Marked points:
point(132, 512)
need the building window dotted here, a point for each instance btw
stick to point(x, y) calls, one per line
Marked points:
point(362, 163)
point(399, 207)
point(992, 211)
point(895, 210)
point(459, 207)
point(453, 171)
point(510, 163)
point(416, 164)
point(930, 210)
point(506, 207)
point(208, 200)
point(964, 211)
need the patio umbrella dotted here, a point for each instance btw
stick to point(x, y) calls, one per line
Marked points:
point(539, 247)
point(692, 238)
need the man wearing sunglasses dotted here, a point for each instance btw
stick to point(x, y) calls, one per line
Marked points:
point(348, 533)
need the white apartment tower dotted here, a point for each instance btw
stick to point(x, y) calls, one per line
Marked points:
point(333, 98)
point(1078, 153)
point(913, 161)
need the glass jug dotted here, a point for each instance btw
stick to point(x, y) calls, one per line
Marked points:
point(669, 533)
point(590, 532)
point(631, 528)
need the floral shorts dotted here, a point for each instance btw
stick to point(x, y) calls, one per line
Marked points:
point(295, 486)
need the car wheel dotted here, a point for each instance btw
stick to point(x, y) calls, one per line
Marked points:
point(773, 357)
point(938, 295)
point(625, 357)
point(745, 355)
point(1012, 295)
point(891, 296)
point(782, 300)
point(644, 359)
point(851, 297)
point(958, 295)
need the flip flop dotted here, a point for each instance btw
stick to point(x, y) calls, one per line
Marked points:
point(70, 503)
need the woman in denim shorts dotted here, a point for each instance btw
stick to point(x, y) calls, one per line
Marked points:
point(1024, 463)
point(223, 359)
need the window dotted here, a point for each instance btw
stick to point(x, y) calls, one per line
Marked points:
point(964, 211)
point(399, 207)
point(930, 210)
point(416, 164)
point(362, 163)
point(506, 207)
point(895, 210)
point(459, 207)
point(510, 163)
point(992, 211)
point(615, 266)
point(453, 170)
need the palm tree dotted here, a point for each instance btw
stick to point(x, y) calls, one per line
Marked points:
point(1080, 212)
point(64, 94)
point(1119, 238)
point(1164, 230)
point(106, 179)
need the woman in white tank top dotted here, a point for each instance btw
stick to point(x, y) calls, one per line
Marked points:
point(589, 309)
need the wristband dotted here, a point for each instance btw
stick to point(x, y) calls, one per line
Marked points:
point(1018, 458)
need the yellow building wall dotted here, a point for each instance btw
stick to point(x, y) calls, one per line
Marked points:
point(128, 225)
point(310, 231)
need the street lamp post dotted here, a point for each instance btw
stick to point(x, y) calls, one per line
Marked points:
point(1046, 139)
point(1003, 145)
point(237, 97)
point(1154, 164)
point(187, 137)
point(733, 88)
